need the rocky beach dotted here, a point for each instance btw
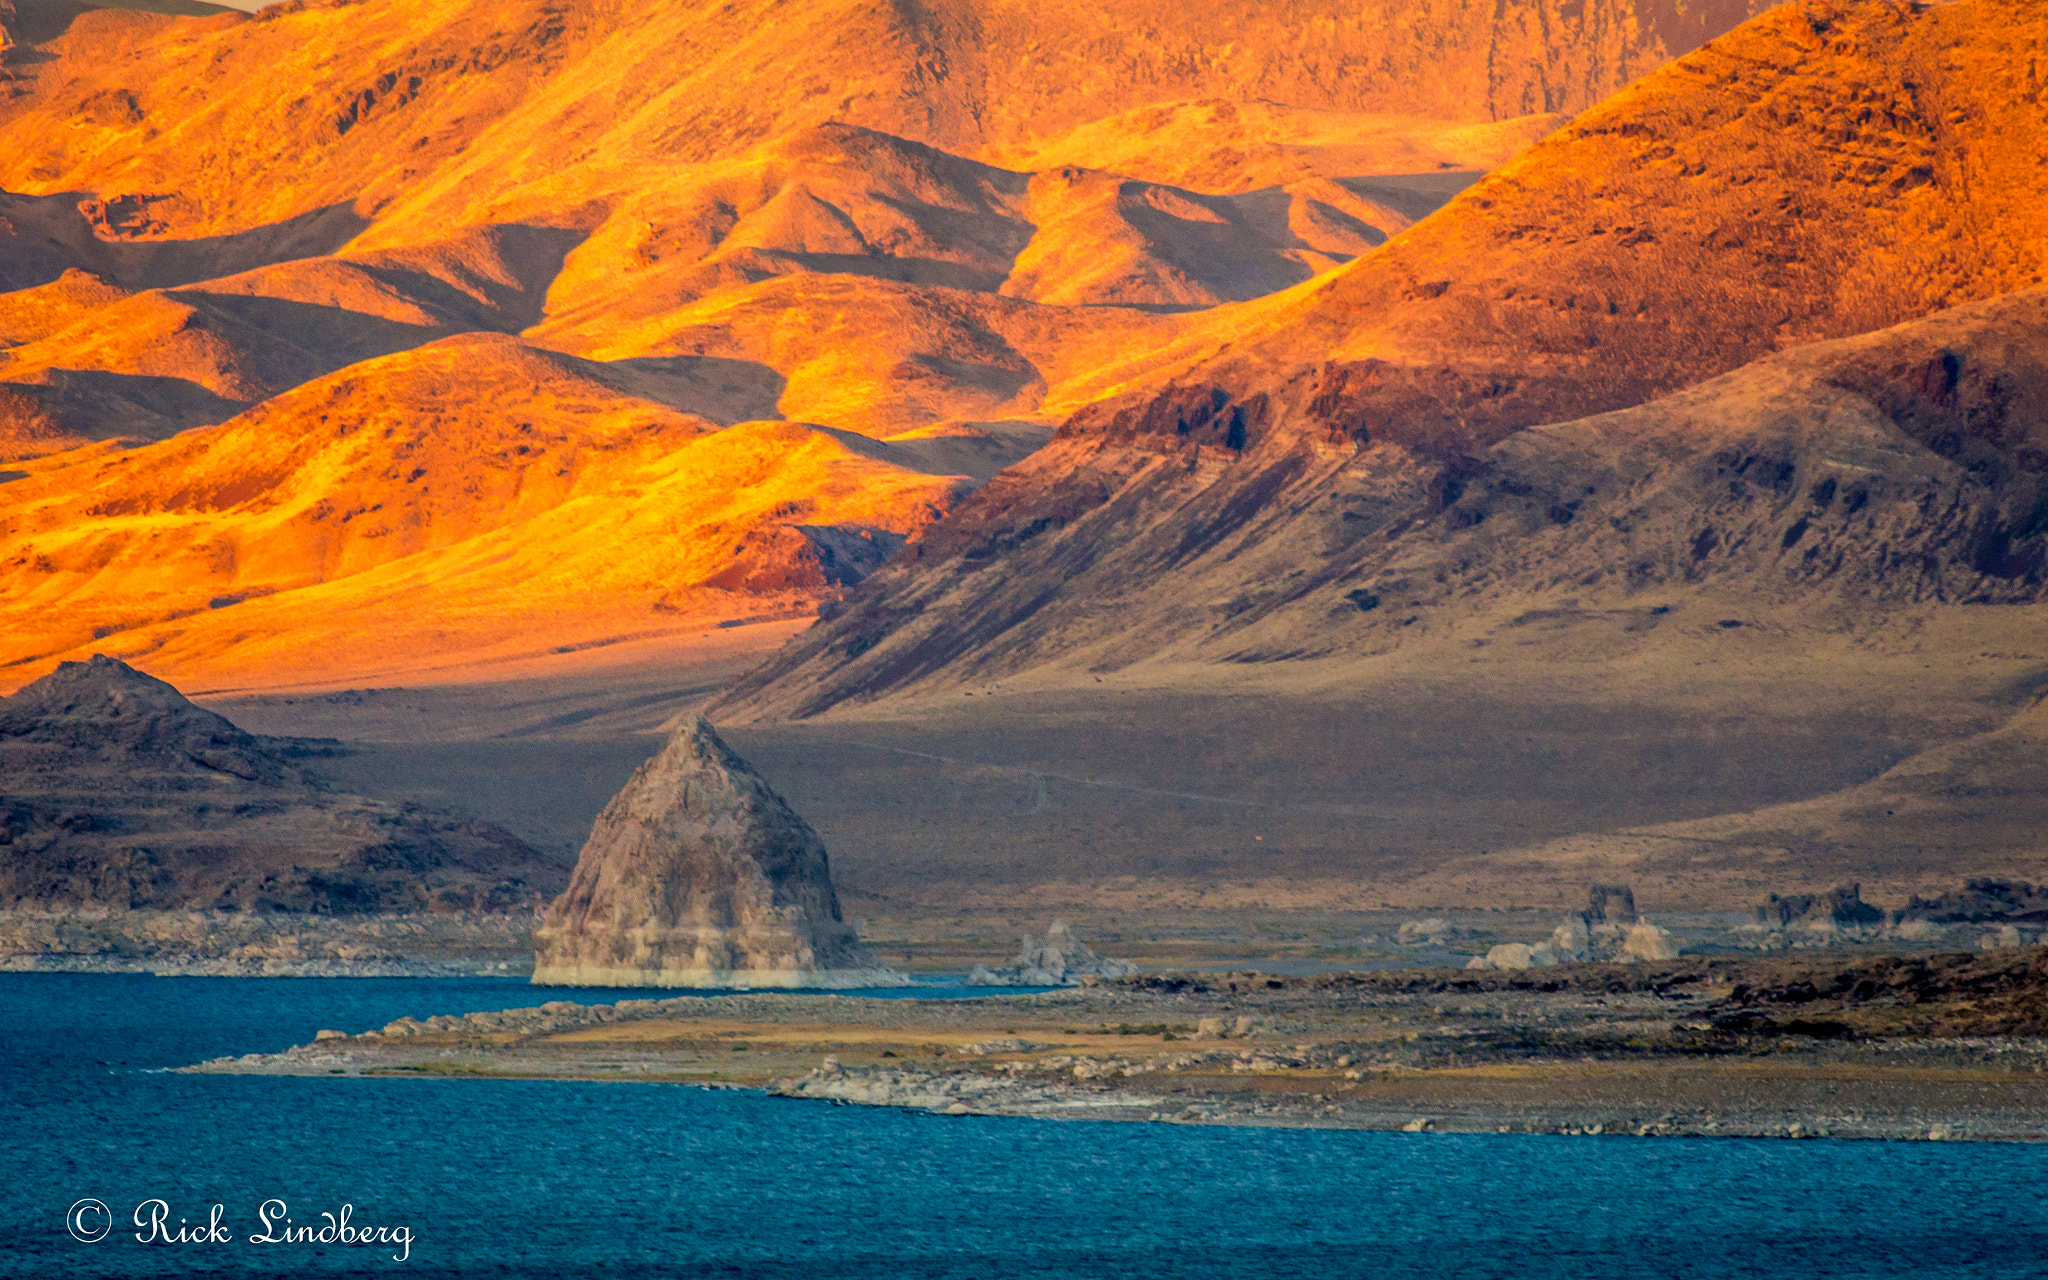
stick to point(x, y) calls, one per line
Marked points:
point(1930, 1046)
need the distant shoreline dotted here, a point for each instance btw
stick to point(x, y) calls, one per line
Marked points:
point(268, 945)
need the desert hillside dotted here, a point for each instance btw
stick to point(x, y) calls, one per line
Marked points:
point(555, 256)
point(1826, 171)
point(1691, 463)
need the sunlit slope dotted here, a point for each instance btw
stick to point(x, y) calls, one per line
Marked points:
point(1824, 171)
point(1827, 170)
point(1223, 145)
point(502, 164)
point(911, 227)
point(487, 492)
point(32, 314)
point(834, 269)
point(461, 111)
point(832, 262)
point(82, 359)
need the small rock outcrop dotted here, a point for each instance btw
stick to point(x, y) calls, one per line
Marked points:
point(2005, 938)
point(1613, 904)
point(1609, 929)
point(1984, 901)
point(121, 795)
point(1647, 941)
point(698, 874)
point(1058, 960)
point(1841, 907)
point(1432, 932)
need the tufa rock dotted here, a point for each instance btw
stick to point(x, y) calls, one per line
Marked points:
point(1613, 904)
point(1841, 907)
point(1648, 942)
point(1570, 943)
point(1574, 942)
point(698, 875)
point(2007, 937)
point(1433, 932)
point(1061, 960)
point(1515, 955)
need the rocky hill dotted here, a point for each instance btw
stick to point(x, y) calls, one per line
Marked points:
point(942, 228)
point(120, 795)
point(1344, 461)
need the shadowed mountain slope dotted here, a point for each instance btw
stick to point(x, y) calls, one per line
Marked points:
point(1824, 171)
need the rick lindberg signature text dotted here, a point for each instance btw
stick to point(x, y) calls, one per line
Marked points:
point(91, 1221)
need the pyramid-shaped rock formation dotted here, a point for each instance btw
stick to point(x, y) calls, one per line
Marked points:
point(117, 793)
point(698, 875)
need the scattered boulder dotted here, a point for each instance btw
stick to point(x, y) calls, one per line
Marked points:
point(1433, 932)
point(1918, 931)
point(1572, 940)
point(1586, 936)
point(1515, 955)
point(2006, 937)
point(1059, 960)
point(698, 874)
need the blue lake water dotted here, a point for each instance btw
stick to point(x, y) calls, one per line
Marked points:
point(536, 1179)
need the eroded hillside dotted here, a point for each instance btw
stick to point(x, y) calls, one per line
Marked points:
point(1826, 171)
point(931, 232)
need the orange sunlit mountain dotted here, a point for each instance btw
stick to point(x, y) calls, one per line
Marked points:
point(1277, 468)
point(485, 327)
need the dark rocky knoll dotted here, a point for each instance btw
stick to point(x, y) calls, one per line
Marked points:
point(1986, 900)
point(117, 793)
point(698, 875)
point(1795, 182)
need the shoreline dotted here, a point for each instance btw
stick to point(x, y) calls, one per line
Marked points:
point(218, 967)
point(467, 944)
point(1682, 1049)
point(254, 944)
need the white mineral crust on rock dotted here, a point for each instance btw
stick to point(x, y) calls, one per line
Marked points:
point(1648, 942)
point(1573, 942)
point(698, 875)
point(1060, 960)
